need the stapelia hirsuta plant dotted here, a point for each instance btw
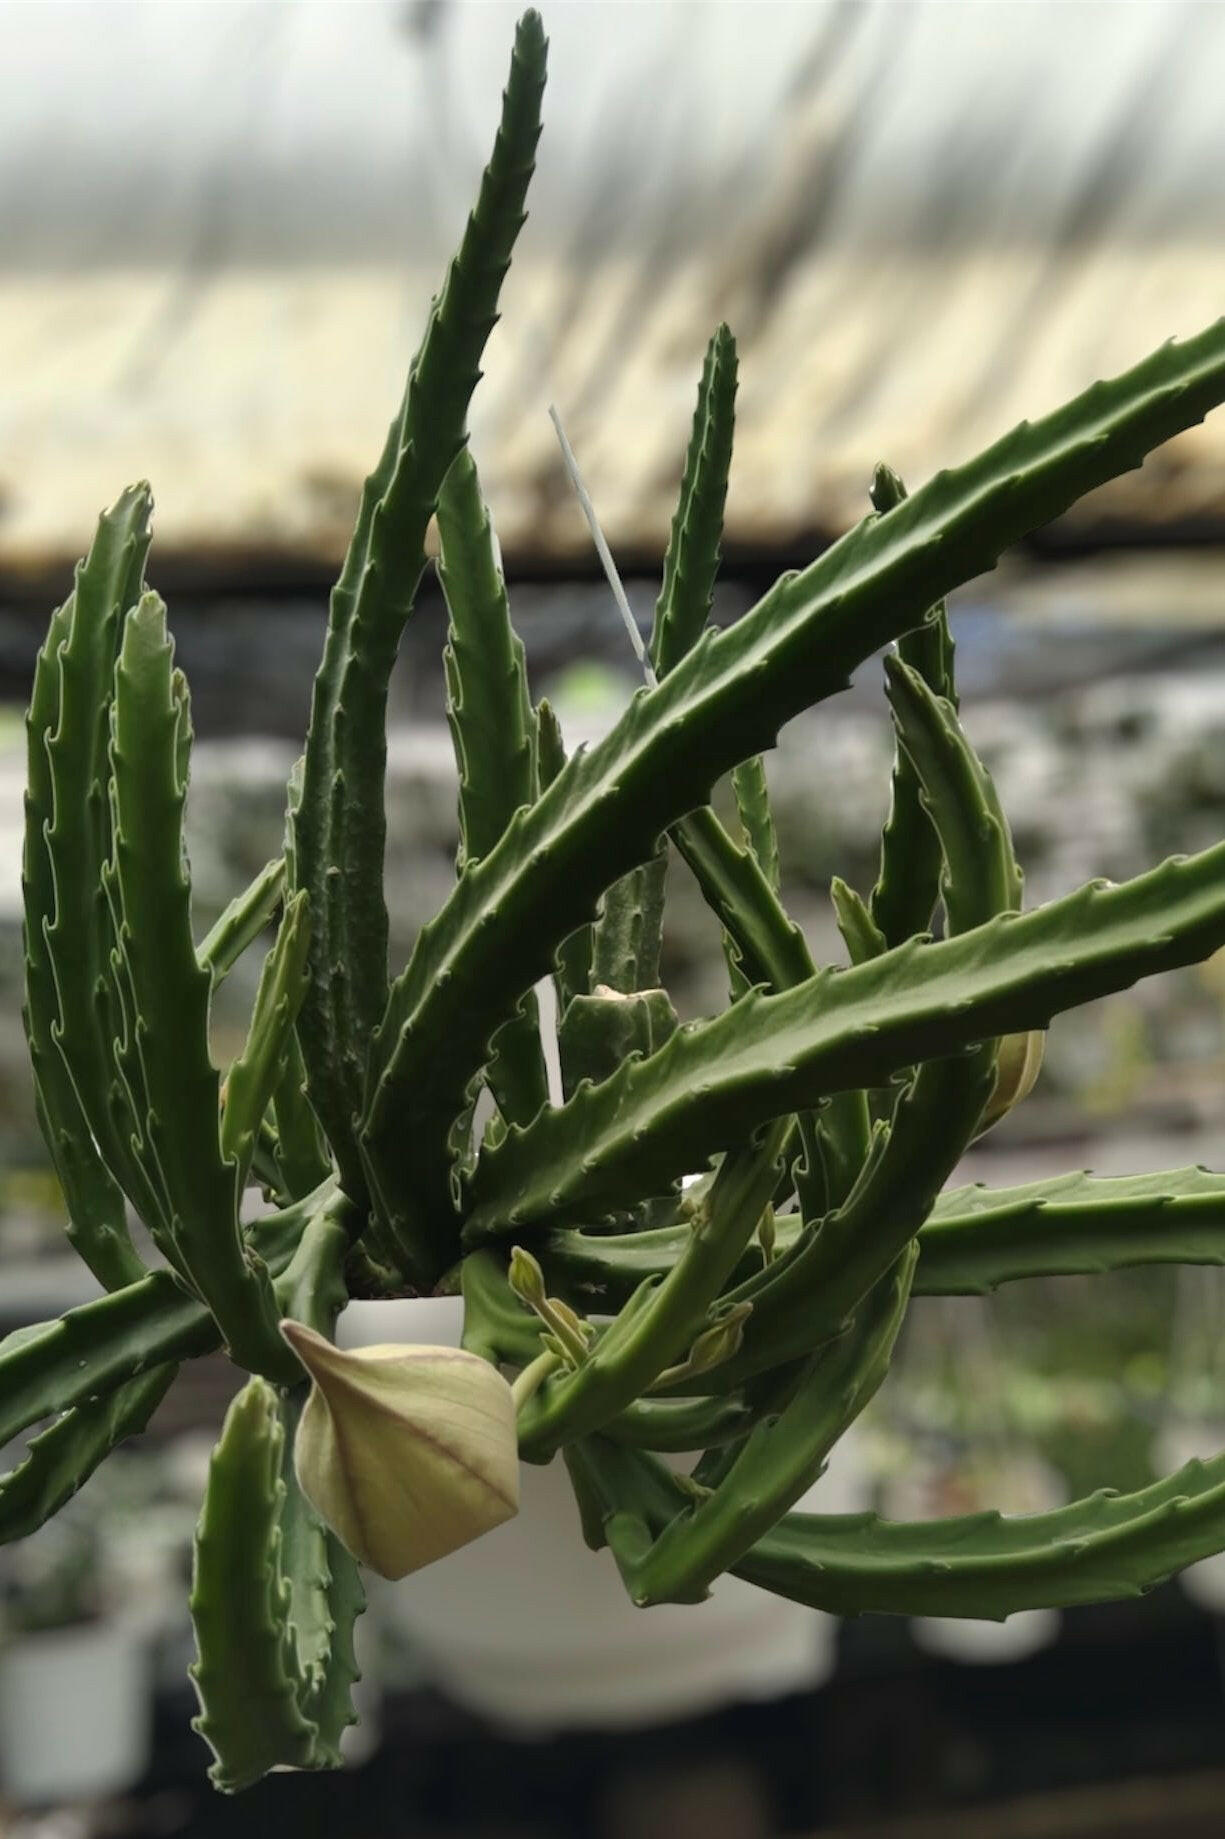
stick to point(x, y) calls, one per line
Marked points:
point(611, 1313)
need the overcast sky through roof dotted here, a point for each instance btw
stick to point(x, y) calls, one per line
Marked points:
point(280, 128)
point(221, 224)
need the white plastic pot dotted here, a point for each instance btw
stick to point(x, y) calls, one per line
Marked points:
point(967, 1639)
point(530, 1628)
point(75, 1713)
point(977, 1643)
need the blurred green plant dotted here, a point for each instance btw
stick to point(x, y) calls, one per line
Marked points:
point(74, 1568)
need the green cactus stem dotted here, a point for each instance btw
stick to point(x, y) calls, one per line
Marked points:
point(498, 931)
point(338, 821)
point(490, 716)
point(657, 1118)
point(273, 1622)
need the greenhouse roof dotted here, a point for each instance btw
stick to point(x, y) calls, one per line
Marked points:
point(222, 225)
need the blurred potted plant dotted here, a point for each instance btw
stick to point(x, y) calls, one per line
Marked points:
point(951, 1446)
point(75, 1698)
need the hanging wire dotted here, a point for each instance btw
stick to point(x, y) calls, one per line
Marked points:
point(602, 549)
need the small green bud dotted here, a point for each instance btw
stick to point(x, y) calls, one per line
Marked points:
point(407, 1452)
point(526, 1278)
point(766, 1235)
point(712, 1347)
point(569, 1332)
point(580, 1329)
point(720, 1341)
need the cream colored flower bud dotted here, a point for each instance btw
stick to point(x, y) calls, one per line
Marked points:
point(1017, 1067)
point(407, 1452)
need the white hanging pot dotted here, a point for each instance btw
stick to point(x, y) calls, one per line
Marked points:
point(533, 1630)
point(976, 1643)
point(1029, 1486)
point(75, 1713)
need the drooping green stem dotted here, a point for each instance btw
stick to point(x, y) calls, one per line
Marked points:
point(779, 1461)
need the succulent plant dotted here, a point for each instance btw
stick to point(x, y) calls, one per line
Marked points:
point(750, 1312)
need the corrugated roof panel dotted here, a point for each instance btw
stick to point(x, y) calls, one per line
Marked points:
point(220, 227)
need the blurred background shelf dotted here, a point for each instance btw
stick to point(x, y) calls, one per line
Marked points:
point(40, 1287)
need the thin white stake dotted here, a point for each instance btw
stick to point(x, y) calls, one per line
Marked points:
point(602, 549)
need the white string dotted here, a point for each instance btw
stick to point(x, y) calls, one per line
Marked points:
point(546, 994)
point(602, 549)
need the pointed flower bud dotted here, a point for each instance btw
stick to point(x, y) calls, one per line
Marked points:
point(720, 1342)
point(407, 1452)
point(578, 1329)
point(1018, 1064)
point(568, 1332)
point(526, 1278)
